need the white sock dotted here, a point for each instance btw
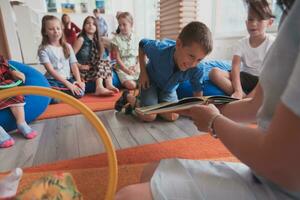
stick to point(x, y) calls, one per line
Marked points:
point(9, 184)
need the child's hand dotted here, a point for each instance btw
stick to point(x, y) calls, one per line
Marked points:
point(74, 89)
point(129, 71)
point(81, 85)
point(144, 81)
point(18, 75)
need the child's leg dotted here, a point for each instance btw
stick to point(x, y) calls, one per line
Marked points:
point(129, 84)
point(132, 100)
point(168, 97)
point(221, 79)
point(19, 114)
point(101, 90)
point(109, 85)
point(5, 139)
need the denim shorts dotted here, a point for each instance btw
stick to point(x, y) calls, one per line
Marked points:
point(154, 95)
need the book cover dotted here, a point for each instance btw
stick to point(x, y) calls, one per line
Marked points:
point(183, 104)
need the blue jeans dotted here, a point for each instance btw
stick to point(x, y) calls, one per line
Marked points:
point(154, 95)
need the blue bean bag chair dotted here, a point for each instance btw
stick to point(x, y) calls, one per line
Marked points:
point(35, 105)
point(90, 86)
point(185, 89)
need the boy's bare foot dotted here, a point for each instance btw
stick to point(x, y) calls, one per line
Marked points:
point(112, 88)
point(103, 92)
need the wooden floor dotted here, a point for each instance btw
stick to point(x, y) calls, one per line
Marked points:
point(73, 137)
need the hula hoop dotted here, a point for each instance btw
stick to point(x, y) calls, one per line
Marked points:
point(18, 82)
point(92, 118)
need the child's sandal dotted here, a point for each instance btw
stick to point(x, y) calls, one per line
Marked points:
point(122, 101)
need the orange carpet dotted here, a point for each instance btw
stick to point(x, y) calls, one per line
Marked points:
point(196, 147)
point(95, 103)
point(91, 174)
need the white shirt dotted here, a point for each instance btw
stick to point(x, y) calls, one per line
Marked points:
point(252, 58)
point(55, 56)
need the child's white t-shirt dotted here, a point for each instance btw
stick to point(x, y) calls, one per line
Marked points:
point(252, 58)
point(55, 56)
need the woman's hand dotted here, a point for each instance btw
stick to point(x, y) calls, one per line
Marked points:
point(201, 115)
point(144, 80)
point(18, 75)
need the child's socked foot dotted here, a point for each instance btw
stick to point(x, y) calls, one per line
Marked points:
point(5, 139)
point(103, 92)
point(27, 131)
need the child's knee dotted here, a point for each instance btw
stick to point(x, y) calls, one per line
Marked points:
point(131, 85)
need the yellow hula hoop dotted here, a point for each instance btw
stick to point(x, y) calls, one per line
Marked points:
point(92, 118)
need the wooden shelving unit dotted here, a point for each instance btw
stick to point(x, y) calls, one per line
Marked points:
point(173, 16)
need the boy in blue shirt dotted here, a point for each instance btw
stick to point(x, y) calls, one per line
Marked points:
point(169, 63)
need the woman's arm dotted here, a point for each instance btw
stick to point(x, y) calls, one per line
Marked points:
point(235, 77)
point(273, 153)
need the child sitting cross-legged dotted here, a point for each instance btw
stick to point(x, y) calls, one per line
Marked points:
point(89, 51)
point(169, 64)
point(59, 59)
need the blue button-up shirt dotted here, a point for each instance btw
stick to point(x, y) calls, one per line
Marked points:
point(162, 70)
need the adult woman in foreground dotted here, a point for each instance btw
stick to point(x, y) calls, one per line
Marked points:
point(269, 153)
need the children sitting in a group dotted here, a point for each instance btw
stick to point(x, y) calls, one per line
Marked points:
point(169, 64)
point(15, 104)
point(70, 29)
point(125, 45)
point(59, 59)
point(89, 50)
point(248, 56)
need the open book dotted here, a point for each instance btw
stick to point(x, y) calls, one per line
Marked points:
point(183, 104)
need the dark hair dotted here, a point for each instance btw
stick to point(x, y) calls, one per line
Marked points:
point(45, 39)
point(261, 8)
point(95, 10)
point(96, 37)
point(62, 19)
point(199, 33)
point(285, 5)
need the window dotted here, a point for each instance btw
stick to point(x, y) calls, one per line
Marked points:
point(228, 18)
